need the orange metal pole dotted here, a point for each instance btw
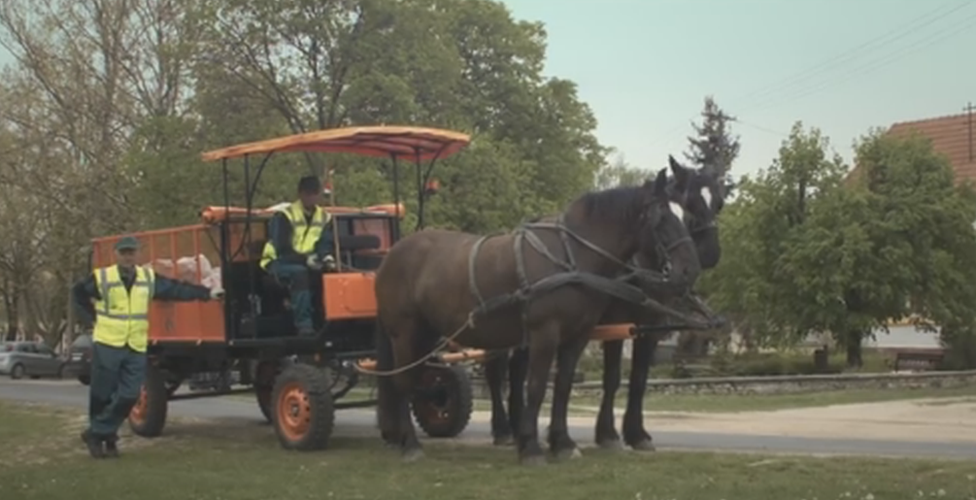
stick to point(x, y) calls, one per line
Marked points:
point(620, 331)
point(450, 357)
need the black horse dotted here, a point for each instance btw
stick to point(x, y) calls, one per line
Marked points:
point(491, 292)
point(700, 195)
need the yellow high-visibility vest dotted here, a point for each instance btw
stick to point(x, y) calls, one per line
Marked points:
point(122, 317)
point(304, 235)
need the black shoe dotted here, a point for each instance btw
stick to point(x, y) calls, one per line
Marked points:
point(111, 447)
point(94, 444)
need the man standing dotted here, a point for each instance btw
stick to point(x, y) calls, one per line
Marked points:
point(300, 239)
point(114, 302)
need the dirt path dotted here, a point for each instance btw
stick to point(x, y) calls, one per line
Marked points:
point(931, 420)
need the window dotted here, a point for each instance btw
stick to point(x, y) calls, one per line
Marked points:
point(82, 341)
point(44, 350)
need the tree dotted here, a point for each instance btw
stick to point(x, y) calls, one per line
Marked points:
point(751, 282)
point(448, 63)
point(803, 254)
point(713, 144)
point(619, 173)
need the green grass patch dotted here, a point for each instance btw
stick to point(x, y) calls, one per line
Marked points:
point(232, 460)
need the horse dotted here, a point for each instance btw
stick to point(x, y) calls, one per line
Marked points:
point(433, 283)
point(700, 196)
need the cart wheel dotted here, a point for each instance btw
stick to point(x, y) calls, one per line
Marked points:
point(148, 416)
point(443, 402)
point(303, 413)
point(264, 379)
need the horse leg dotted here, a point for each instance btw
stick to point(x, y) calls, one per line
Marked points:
point(568, 354)
point(542, 350)
point(495, 368)
point(634, 434)
point(606, 427)
point(518, 366)
point(408, 346)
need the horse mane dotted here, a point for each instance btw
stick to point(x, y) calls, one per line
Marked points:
point(611, 204)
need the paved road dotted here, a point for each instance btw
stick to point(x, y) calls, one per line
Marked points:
point(73, 394)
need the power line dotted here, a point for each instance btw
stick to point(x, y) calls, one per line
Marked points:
point(935, 38)
point(895, 34)
point(854, 53)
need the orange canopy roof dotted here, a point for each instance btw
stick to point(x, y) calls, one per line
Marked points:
point(379, 141)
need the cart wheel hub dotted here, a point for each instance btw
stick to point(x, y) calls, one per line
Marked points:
point(294, 412)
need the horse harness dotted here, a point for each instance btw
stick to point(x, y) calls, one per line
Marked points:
point(619, 287)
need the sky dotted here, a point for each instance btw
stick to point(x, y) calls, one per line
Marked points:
point(843, 66)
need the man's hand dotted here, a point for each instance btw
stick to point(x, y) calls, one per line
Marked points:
point(216, 293)
point(313, 262)
point(329, 263)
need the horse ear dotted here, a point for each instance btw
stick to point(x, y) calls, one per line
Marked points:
point(682, 175)
point(661, 183)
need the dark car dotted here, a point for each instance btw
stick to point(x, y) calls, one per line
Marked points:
point(78, 364)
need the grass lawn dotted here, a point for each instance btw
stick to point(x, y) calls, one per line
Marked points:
point(43, 459)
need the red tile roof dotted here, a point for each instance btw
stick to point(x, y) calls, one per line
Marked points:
point(950, 136)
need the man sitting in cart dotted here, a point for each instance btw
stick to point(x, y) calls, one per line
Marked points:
point(113, 302)
point(300, 238)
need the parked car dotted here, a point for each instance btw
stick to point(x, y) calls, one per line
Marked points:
point(78, 364)
point(29, 359)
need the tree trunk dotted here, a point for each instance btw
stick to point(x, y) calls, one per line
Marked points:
point(853, 341)
point(11, 302)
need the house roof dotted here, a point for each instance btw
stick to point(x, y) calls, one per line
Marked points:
point(950, 135)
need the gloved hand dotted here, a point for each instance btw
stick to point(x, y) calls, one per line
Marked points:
point(313, 262)
point(216, 293)
point(329, 263)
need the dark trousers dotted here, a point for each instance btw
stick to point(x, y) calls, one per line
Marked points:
point(117, 374)
point(295, 277)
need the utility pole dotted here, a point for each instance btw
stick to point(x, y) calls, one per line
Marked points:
point(969, 119)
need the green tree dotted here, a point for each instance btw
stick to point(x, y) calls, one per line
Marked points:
point(752, 283)
point(619, 173)
point(713, 145)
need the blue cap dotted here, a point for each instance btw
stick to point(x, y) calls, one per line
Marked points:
point(127, 243)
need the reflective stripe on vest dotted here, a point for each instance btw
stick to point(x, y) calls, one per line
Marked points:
point(122, 316)
point(303, 236)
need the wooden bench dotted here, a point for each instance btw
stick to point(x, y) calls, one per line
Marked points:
point(918, 360)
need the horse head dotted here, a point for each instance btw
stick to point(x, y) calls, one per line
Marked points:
point(664, 236)
point(701, 195)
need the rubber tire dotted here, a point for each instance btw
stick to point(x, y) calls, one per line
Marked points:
point(315, 382)
point(460, 402)
point(263, 393)
point(157, 405)
point(17, 372)
point(84, 379)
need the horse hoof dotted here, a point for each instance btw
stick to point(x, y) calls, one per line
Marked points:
point(504, 441)
point(567, 454)
point(533, 460)
point(611, 445)
point(413, 455)
point(644, 446)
